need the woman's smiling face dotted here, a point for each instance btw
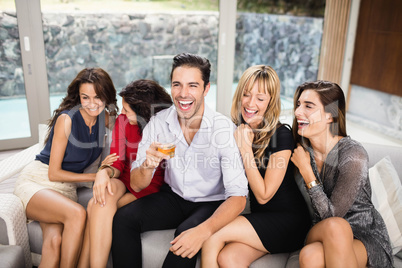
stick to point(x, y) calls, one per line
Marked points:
point(253, 106)
point(310, 115)
point(90, 101)
point(131, 115)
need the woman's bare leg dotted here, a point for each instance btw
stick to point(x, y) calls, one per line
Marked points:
point(238, 231)
point(238, 255)
point(100, 225)
point(330, 243)
point(83, 261)
point(48, 206)
point(312, 256)
point(52, 233)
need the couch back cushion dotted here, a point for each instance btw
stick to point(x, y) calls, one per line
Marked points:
point(387, 199)
point(376, 152)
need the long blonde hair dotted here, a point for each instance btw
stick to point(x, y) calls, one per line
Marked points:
point(268, 82)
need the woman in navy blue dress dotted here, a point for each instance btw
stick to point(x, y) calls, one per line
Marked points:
point(47, 186)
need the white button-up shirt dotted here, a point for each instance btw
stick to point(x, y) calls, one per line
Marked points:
point(210, 168)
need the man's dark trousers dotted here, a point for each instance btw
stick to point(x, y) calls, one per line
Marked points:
point(158, 211)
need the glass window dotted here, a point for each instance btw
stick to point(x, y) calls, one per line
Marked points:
point(285, 35)
point(13, 102)
point(128, 39)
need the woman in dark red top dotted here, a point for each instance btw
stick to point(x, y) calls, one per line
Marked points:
point(140, 99)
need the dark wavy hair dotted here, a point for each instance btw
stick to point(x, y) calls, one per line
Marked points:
point(104, 88)
point(195, 61)
point(146, 98)
point(332, 98)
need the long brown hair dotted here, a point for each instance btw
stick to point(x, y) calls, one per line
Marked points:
point(332, 98)
point(104, 88)
point(268, 82)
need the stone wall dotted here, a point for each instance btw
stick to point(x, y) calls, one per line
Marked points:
point(11, 74)
point(291, 45)
point(133, 46)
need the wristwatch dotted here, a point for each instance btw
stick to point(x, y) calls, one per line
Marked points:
point(311, 184)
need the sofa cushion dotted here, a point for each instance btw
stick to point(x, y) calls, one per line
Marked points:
point(397, 262)
point(271, 260)
point(3, 233)
point(84, 195)
point(293, 260)
point(35, 237)
point(12, 257)
point(155, 246)
point(378, 151)
point(387, 198)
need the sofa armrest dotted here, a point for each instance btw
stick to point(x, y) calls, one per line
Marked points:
point(15, 163)
point(12, 212)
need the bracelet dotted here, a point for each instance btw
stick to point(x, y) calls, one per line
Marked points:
point(311, 184)
point(107, 166)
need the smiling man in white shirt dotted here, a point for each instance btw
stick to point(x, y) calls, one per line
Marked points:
point(206, 186)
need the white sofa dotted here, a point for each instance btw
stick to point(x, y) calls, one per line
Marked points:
point(28, 237)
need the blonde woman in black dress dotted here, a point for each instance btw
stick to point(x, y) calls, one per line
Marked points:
point(279, 219)
point(348, 230)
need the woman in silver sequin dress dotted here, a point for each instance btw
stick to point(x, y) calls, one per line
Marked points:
point(348, 231)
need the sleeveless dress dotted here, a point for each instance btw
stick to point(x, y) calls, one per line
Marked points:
point(83, 148)
point(283, 222)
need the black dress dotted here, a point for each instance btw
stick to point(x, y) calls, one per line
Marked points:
point(283, 222)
